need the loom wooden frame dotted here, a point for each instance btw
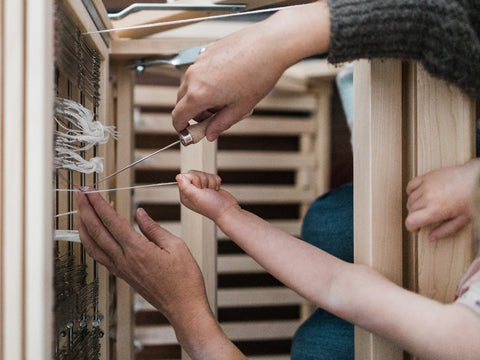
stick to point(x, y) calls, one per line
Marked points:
point(403, 128)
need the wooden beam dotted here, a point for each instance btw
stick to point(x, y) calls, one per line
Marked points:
point(154, 17)
point(38, 136)
point(260, 194)
point(258, 297)
point(378, 221)
point(123, 202)
point(445, 130)
point(13, 236)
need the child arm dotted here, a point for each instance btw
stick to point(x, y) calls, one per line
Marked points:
point(357, 293)
point(441, 199)
point(353, 292)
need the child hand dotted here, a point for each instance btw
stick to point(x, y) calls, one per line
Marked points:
point(200, 192)
point(441, 198)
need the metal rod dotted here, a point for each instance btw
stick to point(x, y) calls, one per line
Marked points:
point(188, 7)
point(136, 162)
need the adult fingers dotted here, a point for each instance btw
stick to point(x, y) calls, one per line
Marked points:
point(153, 231)
point(94, 227)
point(191, 105)
point(414, 184)
point(203, 115)
point(224, 119)
point(448, 227)
point(116, 225)
point(92, 248)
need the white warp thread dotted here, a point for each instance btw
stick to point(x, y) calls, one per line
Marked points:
point(69, 159)
point(80, 132)
point(67, 213)
point(86, 190)
point(67, 235)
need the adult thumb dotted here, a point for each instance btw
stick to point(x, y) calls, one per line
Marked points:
point(154, 232)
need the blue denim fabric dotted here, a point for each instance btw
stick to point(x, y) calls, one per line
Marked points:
point(328, 225)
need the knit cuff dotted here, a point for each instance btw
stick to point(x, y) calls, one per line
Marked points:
point(438, 33)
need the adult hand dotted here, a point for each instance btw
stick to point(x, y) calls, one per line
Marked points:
point(442, 199)
point(233, 74)
point(200, 192)
point(158, 264)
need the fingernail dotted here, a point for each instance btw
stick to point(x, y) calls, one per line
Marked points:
point(141, 212)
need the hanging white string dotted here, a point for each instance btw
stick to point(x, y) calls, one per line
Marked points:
point(203, 18)
point(67, 213)
point(67, 235)
point(83, 130)
point(69, 159)
point(86, 189)
point(79, 132)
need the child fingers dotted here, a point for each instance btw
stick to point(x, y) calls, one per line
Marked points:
point(448, 227)
point(204, 180)
point(414, 184)
point(417, 219)
point(415, 201)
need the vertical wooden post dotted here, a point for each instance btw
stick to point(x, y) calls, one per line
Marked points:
point(26, 237)
point(445, 128)
point(123, 202)
point(378, 183)
point(2, 121)
point(13, 172)
point(38, 179)
point(323, 90)
point(197, 231)
point(107, 151)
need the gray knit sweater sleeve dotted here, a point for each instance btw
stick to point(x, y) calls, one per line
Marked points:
point(444, 35)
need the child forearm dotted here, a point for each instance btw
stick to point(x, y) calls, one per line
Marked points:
point(355, 292)
point(304, 268)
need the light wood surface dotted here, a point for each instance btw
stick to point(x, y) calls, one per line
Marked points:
point(26, 194)
point(153, 17)
point(445, 129)
point(123, 202)
point(406, 124)
point(378, 189)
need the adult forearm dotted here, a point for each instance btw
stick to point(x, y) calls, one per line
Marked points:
point(201, 336)
point(299, 32)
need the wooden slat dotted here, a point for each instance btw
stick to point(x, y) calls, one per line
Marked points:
point(153, 17)
point(232, 160)
point(289, 226)
point(198, 231)
point(38, 197)
point(378, 222)
point(14, 196)
point(445, 137)
point(162, 96)
point(124, 111)
point(257, 297)
point(161, 123)
point(2, 171)
point(258, 330)
point(261, 330)
point(228, 264)
point(261, 194)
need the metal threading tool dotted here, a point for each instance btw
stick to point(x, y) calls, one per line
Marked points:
point(190, 135)
point(183, 58)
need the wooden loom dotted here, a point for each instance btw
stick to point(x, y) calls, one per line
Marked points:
point(27, 200)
